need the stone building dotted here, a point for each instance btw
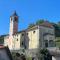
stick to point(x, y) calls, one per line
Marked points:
point(31, 39)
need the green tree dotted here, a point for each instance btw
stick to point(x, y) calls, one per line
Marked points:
point(57, 42)
point(44, 54)
point(40, 21)
point(1, 39)
point(58, 24)
point(57, 29)
point(31, 25)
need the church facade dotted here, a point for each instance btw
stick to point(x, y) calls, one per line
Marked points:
point(31, 39)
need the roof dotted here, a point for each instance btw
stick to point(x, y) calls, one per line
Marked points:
point(47, 24)
point(1, 36)
point(14, 14)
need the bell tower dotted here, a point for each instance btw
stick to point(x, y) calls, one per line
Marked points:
point(13, 23)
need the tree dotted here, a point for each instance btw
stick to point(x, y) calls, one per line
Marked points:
point(40, 21)
point(58, 24)
point(57, 29)
point(1, 40)
point(31, 25)
point(55, 25)
point(44, 54)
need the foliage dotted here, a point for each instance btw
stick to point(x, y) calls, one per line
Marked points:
point(58, 44)
point(58, 24)
point(57, 29)
point(55, 25)
point(29, 58)
point(17, 56)
point(31, 25)
point(14, 55)
point(40, 21)
point(44, 54)
point(58, 41)
point(1, 39)
point(44, 51)
point(37, 23)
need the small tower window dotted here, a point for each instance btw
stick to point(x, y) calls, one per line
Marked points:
point(11, 19)
point(15, 18)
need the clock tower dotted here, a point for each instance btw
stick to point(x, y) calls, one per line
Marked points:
point(13, 24)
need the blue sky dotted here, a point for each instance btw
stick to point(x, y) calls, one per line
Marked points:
point(29, 11)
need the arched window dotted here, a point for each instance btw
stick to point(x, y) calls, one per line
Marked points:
point(46, 43)
point(51, 43)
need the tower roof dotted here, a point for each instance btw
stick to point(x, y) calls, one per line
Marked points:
point(14, 14)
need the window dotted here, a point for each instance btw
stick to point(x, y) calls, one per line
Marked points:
point(46, 43)
point(15, 18)
point(17, 39)
point(22, 34)
point(11, 19)
point(33, 31)
point(27, 33)
point(22, 43)
point(51, 43)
